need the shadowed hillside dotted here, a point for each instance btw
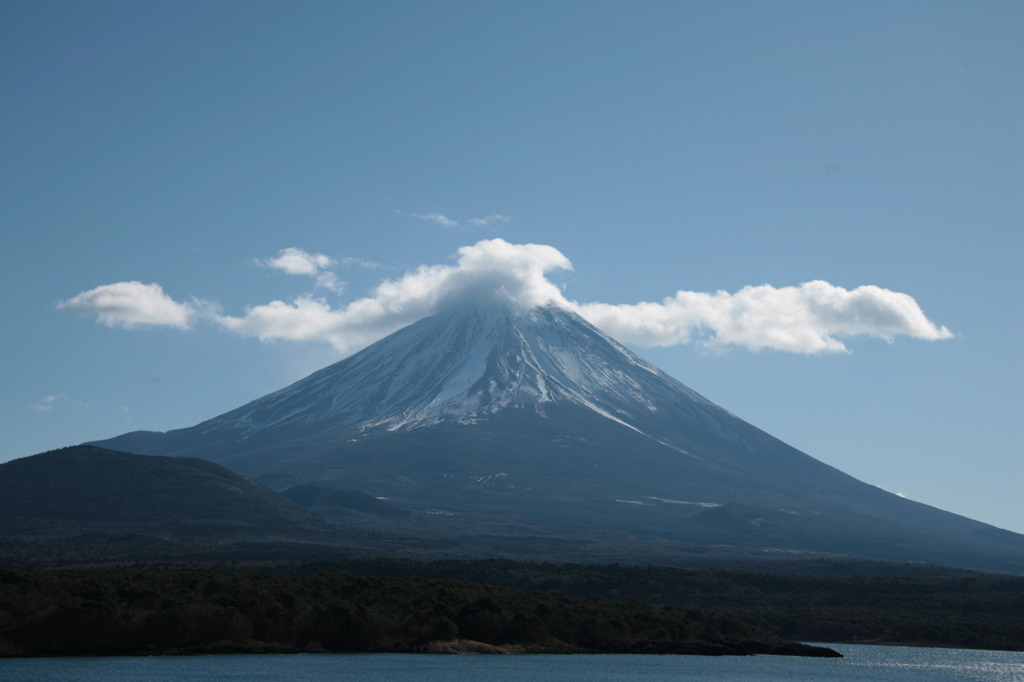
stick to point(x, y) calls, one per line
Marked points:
point(90, 484)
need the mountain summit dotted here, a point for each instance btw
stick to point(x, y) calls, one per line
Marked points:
point(464, 367)
point(528, 428)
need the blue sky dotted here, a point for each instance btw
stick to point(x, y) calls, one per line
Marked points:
point(745, 148)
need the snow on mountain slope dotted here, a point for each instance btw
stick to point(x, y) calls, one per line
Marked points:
point(463, 366)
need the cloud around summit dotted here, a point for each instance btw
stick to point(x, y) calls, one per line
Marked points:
point(488, 271)
point(809, 318)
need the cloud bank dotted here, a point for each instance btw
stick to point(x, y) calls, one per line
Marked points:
point(809, 318)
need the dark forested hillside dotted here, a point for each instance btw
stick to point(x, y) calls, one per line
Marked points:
point(88, 484)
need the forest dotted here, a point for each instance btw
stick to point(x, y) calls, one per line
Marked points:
point(382, 604)
point(162, 612)
point(850, 602)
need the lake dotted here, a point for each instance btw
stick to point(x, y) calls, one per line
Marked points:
point(861, 663)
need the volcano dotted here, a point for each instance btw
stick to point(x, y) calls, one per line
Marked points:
point(515, 429)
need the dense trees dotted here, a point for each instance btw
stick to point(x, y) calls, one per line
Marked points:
point(158, 612)
point(392, 605)
point(965, 610)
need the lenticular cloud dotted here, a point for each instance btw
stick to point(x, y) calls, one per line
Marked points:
point(812, 317)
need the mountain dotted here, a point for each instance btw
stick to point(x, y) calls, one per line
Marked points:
point(86, 484)
point(86, 503)
point(518, 429)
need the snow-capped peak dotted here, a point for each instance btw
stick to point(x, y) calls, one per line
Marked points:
point(465, 365)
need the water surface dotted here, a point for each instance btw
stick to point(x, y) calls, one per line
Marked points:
point(860, 663)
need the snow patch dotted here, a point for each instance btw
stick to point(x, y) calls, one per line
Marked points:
point(705, 505)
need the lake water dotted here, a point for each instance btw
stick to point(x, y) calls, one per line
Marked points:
point(861, 663)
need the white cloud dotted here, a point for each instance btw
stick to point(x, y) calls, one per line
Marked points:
point(490, 270)
point(490, 220)
point(813, 317)
point(295, 261)
point(809, 318)
point(134, 304)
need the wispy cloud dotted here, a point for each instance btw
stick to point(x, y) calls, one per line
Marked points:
point(438, 218)
point(445, 221)
point(47, 403)
point(54, 400)
point(351, 261)
point(810, 318)
point(330, 281)
point(490, 220)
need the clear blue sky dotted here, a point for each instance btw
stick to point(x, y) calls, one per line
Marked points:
point(658, 146)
